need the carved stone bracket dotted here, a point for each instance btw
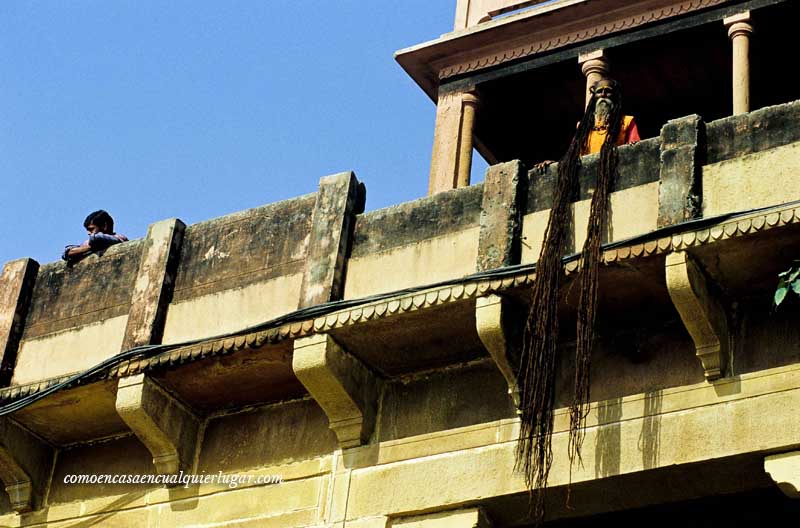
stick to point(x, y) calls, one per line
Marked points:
point(785, 471)
point(344, 388)
point(491, 315)
point(702, 314)
point(25, 464)
point(164, 425)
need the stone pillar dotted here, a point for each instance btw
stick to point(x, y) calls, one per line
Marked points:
point(595, 67)
point(339, 199)
point(16, 289)
point(739, 30)
point(683, 148)
point(504, 193)
point(152, 290)
point(470, 105)
point(453, 140)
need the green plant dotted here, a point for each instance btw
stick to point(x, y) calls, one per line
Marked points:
point(788, 280)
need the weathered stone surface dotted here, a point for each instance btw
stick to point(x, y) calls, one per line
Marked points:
point(228, 440)
point(625, 436)
point(164, 425)
point(152, 290)
point(16, 288)
point(501, 216)
point(443, 400)
point(415, 221)
point(762, 129)
point(739, 184)
point(339, 199)
point(683, 145)
point(243, 248)
point(97, 288)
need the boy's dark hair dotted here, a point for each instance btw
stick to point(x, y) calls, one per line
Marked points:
point(101, 219)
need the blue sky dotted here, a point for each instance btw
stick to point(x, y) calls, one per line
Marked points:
point(195, 109)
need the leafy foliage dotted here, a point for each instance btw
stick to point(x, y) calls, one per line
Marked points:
point(788, 281)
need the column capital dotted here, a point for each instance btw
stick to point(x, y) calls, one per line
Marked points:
point(744, 16)
point(739, 28)
point(738, 24)
point(594, 62)
point(471, 98)
point(591, 55)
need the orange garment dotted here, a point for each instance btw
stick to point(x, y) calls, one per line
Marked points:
point(628, 134)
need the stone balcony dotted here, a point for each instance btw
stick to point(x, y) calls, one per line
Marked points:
point(418, 357)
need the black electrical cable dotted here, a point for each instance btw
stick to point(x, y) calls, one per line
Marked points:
point(303, 314)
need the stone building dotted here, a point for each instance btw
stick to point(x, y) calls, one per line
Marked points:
point(323, 366)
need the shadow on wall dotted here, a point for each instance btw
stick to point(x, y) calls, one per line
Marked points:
point(609, 438)
point(650, 437)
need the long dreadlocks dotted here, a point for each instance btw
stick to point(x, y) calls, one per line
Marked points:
point(540, 340)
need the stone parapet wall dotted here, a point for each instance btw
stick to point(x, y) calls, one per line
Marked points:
point(246, 268)
point(760, 130)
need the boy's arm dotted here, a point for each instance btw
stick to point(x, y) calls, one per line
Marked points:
point(100, 241)
point(71, 252)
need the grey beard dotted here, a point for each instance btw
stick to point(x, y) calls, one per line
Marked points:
point(602, 111)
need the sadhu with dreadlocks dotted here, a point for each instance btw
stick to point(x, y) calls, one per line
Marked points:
point(606, 96)
point(602, 129)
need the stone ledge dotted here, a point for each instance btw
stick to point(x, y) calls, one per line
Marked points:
point(748, 225)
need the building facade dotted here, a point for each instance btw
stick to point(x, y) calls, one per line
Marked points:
point(309, 364)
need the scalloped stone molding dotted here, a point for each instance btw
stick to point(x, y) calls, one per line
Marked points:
point(541, 46)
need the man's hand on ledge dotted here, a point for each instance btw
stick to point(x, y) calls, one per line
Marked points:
point(541, 167)
point(73, 253)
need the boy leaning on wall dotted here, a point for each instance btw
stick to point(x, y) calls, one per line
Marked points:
point(100, 228)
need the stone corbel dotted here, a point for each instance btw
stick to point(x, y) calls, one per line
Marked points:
point(162, 423)
point(491, 319)
point(784, 469)
point(25, 464)
point(702, 314)
point(344, 388)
